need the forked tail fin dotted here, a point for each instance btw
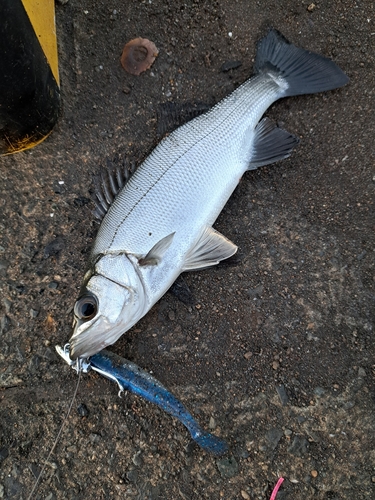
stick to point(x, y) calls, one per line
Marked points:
point(298, 71)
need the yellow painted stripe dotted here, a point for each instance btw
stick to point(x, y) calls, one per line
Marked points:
point(22, 145)
point(42, 16)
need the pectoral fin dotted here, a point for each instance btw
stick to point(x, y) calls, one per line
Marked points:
point(210, 249)
point(157, 251)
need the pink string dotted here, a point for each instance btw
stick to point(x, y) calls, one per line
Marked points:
point(276, 488)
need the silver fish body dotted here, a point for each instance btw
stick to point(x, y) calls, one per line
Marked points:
point(160, 224)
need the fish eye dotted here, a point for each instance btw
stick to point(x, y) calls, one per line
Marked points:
point(86, 307)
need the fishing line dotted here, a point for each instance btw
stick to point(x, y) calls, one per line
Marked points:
point(57, 438)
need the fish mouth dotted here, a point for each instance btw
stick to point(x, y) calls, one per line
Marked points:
point(91, 337)
point(84, 342)
point(80, 350)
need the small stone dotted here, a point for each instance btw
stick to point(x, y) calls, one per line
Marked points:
point(3, 266)
point(95, 438)
point(4, 453)
point(248, 355)
point(9, 380)
point(82, 410)
point(299, 446)
point(33, 313)
point(373, 479)
point(7, 304)
point(1, 491)
point(255, 292)
point(348, 405)
point(50, 322)
point(275, 365)
point(228, 467)
point(361, 372)
point(5, 324)
point(311, 7)
point(212, 423)
point(362, 254)
point(54, 247)
point(126, 89)
point(288, 432)
point(245, 495)
point(319, 391)
point(34, 364)
point(282, 395)
point(81, 201)
point(314, 473)
point(35, 470)
point(241, 452)
point(20, 289)
point(273, 437)
point(53, 285)
point(13, 487)
point(172, 315)
point(132, 475)
point(228, 65)
point(137, 459)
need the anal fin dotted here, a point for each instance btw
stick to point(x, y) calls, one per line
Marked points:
point(210, 249)
point(271, 144)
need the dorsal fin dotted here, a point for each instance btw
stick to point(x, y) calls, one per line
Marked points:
point(171, 115)
point(108, 183)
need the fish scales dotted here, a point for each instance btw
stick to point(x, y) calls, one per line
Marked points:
point(202, 160)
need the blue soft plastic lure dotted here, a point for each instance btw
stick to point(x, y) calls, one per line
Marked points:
point(131, 377)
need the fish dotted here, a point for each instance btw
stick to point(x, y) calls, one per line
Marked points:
point(131, 377)
point(160, 224)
